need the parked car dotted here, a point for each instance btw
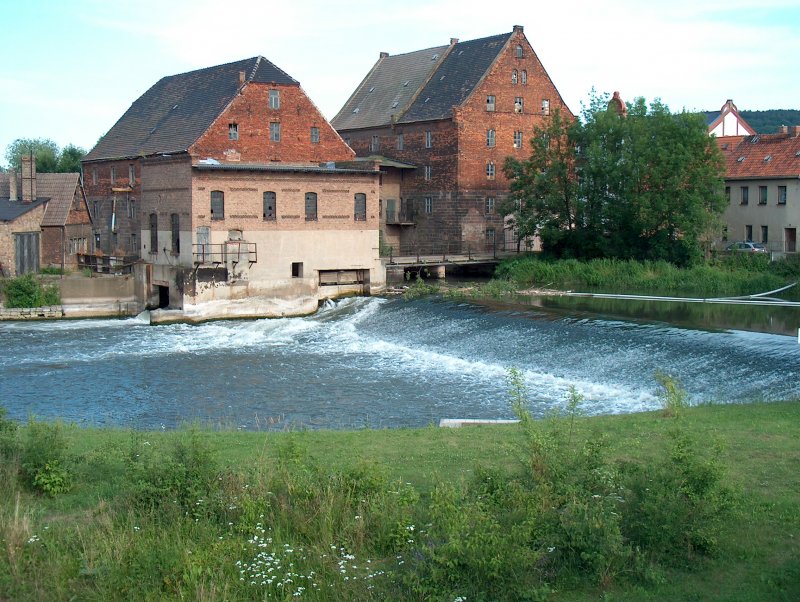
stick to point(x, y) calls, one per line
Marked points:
point(746, 247)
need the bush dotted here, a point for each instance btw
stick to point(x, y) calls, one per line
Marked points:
point(27, 291)
point(43, 458)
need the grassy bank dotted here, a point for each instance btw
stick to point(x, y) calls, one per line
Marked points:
point(725, 276)
point(702, 506)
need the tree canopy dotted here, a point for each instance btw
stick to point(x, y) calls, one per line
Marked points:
point(49, 158)
point(643, 186)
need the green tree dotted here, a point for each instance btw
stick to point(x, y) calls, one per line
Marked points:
point(644, 186)
point(49, 158)
point(69, 160)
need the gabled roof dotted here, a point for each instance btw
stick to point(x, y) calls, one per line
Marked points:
point(388, 88)
point(421, 85)
point(454, 80)
point(765, 156)
point(55, 189)
point(178, 109)
point(60, 189)
point(714, 119)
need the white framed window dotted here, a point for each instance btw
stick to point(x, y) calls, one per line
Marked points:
point(428, 172)
point(428, 205)
point(314, 135)
point(275, 131)
point(545, 106)
point(274, 99)
point(490, 138)
point(428, 139)
point(514, 76)
point(490, 171)
point(490, 103)
point(519, 52)
point(375, 144)
point(518, 139)
point(488, 207)
point(519, 104)
point(524, 77)
point(233, 131)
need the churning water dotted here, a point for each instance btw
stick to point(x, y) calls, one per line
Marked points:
point(372, 362)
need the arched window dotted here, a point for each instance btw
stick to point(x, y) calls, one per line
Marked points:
point(490, 170)
point(524, 77)
point(490, 136)
point(311, 206)
point(360, 207)
point(514, 76)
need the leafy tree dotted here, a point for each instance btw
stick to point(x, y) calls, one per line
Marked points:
point(645, 186)
point(49, 158)
point(69, 161)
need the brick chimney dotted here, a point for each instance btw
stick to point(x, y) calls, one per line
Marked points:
point(29, 178)
point(794, 131)
point(383, 55)
point(242, 76)
point(12, 186)
point(784, 129)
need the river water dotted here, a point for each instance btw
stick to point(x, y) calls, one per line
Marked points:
point(375, 362)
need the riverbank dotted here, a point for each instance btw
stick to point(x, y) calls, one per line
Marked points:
point(363, 515)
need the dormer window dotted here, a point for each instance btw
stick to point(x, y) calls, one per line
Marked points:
point(233, 131)
point(768, 158)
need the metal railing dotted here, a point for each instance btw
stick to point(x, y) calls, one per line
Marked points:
point(449, 250)
point(107, 264)
point(400, 216)
point(231, 251)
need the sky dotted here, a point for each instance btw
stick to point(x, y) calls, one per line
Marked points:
point(69, 70)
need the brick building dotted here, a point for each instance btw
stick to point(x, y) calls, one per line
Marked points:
point(44, 220)
point(223, 180)
point(454, 112)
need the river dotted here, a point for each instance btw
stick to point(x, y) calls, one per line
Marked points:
point(376, 362)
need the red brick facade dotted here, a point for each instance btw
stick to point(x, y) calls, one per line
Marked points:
point(452, 195)
point(113, 195)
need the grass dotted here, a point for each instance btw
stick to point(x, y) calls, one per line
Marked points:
point(169, 515)
point(724, 276)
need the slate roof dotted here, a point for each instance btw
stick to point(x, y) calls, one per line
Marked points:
point(388, 89)
point(462, 69)
point(749, 159)
point(55, 189)
point(175, 112)
point(433, 81)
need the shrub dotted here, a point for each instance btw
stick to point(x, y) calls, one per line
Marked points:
point(43, 458)
point(673, 397)
point(27, 291)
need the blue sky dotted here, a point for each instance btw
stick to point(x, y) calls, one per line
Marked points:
point(71, 69)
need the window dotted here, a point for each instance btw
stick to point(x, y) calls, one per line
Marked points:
point(360, 207)
point(297, 269)
point(131, 208)
point(762, 195)
point(524, 77)
point(375, 144)
point(489, 205)
point(490, 138)
point(96, 209)
point(781, 195)
point(428, 205)
point(748, 233)
point(490, 170)
point(545, 106)
point(176, 233)
point(154, 233)
point(400, 142)
point(518, 139)
point(427, 172)
point(745, 196)
point(131, 174)
point(311, 206)
point(514, 76)
point(518, 104)
point(274, 99)
point(728, 193)
point(233, 131)
point(113, 175)
point(428, 139)
point(275, 131)
point(314, 135)
point(490, 103)
point(490, 237)
point(764, 234)
point(217, 204)
point(94, 176)
point(270, 208)
point(519, 52)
